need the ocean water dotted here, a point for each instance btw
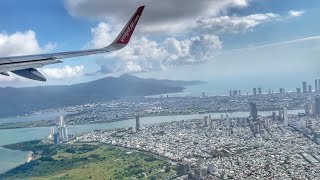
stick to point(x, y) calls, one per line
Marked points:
point(10, 159)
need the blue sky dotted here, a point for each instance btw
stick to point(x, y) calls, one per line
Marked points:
point(197, 35)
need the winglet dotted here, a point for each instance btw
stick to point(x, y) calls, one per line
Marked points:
point(125, 35)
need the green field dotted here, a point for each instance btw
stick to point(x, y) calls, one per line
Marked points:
point(86, 162)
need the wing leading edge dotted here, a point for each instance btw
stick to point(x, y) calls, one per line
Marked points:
point(25, 65)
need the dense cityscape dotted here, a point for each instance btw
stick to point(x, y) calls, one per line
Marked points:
point(128, 108)
point(279, 146)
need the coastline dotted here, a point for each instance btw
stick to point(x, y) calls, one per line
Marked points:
point(30, 157)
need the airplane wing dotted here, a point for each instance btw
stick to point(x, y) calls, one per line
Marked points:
point(25, 66)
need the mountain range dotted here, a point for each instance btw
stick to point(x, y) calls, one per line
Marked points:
point(18, 101)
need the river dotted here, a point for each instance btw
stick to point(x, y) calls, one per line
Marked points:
point(10, 159)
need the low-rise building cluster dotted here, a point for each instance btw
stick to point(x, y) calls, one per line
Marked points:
point(224, 148)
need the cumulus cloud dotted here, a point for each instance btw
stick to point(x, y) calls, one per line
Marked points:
point(293, 13)
point(143, 54)
point(234, 24)
point(191, 27)
point(19, 43)
point(22, 43)
point(159, 16)
point(62, 73)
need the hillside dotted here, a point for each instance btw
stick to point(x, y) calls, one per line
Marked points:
point(18, 101)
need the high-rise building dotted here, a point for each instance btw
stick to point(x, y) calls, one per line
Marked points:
point(317, 105)
point(282, 90)
point(230, 93)
point(235, 92)
point(56, 138)
point(269, 91)
point(239, 92)
point(310, 89)
point(280, 115)
point(253, 110)
point(137, 123)
point(274, 116)
point(63, 129)
point(267, 122)
point(299, 90)
point(309, 124)
point(183, 168)
point(259, 91)
point(307, 109)
point(304, 87)
point(206, 121)
point(254, 91)
point(316, 84)
point(203, 95)
point(59, 133)
point(257, 128)
point(285, 116)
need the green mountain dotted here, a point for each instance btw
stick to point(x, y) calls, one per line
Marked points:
point(18, 101)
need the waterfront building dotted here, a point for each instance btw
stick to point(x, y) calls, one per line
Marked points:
point(56, 138)
point(259, 91)
point(253, 110)
point(137, 123)
point(317, 105)
point(254, 91)
point(206, 121)
point(304, 87)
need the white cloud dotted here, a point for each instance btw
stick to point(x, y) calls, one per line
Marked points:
point(143, 54)
point(170, 16)
point(198, 22)
point(19, 43)
point(62, 73)
point(234, 24)
point(293, 13)
point(103, 34)
point(12, 78)
point(22, 43)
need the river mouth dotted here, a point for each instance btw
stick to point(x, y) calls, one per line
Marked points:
point(11, 159)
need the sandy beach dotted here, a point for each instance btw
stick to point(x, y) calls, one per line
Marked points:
point(30, 157)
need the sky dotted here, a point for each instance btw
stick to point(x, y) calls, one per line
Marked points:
point(248, 42)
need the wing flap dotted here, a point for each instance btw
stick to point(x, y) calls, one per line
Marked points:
point(30, 73)
point(26, 65)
